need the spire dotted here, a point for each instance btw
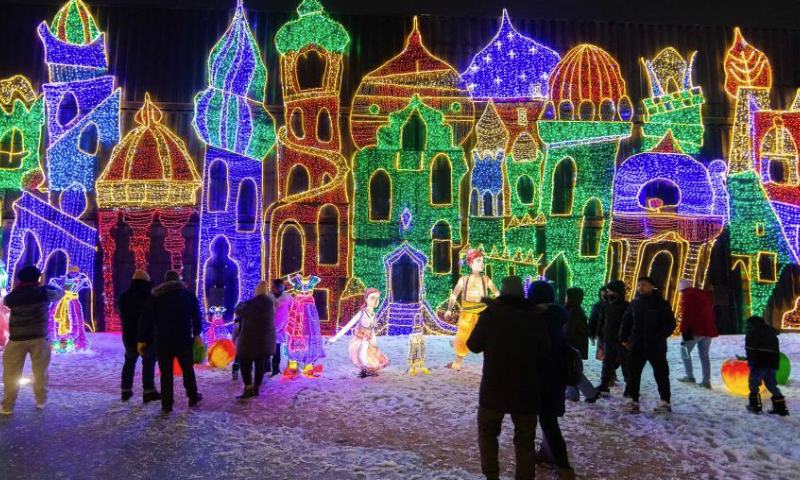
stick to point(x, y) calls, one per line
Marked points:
point(415, 37)
point(149, 113)
point(668, 144)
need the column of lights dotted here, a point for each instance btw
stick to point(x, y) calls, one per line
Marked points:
point(150, 175)
point(231, 119)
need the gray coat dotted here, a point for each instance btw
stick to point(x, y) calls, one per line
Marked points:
point(256, 334)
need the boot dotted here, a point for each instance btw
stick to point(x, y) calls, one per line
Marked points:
point(755, 403)
point(126, 395)
point(779, 406)
point(151, 396)
point(193, 401)
point(249, 392)
point(594, 397)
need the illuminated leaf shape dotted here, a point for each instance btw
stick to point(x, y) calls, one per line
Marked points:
point(745, 66)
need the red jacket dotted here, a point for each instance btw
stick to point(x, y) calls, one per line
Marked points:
point(697, 313)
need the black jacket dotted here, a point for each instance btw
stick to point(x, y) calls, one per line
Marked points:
point(577, 329)
point(130, 305)
point(513, 341)
point(171, 318)
point(30, 306)
point(762, 345)
point(613, 313)
point(553, 371)
point(648, 323)
point(256, 331)
point(596, 318)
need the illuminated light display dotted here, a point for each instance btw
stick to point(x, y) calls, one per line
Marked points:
point(589, 73)
point(736, 375)
point(82, 104)
point(309, 222)
point(510, 67)
point(231, 119)
point(150, 175)
point(221, 353)
point(422, 180)
point(21, 120)
point(666, 201)
point(745, 66)
point(304, 344)
point(392, 86)
point(675, 104)
point(575, 199)
point(66, 319)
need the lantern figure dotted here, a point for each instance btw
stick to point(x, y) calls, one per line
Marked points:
point(736, 374)
point(221, 353)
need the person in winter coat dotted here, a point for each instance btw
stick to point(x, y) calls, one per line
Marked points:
point(171, 321)
point(614, 354)
point(647, 324)
point(282, 300)
point(698, 327)
point(255, 338)
point(552, 378)
point(130, 305)
point(577, 336)
point(29, 303)
point(596, 315)
point(763, 357)
point(513, 341)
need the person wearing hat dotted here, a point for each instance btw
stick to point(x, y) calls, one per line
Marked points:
point(171, 321)
point(513, 341)
point(614, 355)
point(698, 327)
point(29, 303)
point(552, 378)
point(130, 305)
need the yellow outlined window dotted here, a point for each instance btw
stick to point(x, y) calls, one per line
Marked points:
point(247, 206)
point(324, 126)
point(296, 123)
point(217, 194)
point(298, 180)
point(526, 190)
point(441, 248)
point(767, 264)
point(380, 196)
point(328, 235)
point(564, 177)
point(12, 149)
point(292, 249)
point(591, 228)
point(311, 69)
point(441, 181)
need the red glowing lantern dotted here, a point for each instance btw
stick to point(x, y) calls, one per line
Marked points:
point(736, 375)
point(221, 353)
point(177, 371)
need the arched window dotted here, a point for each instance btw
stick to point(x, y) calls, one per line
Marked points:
point(67, 109)
point(441, 248)
point(296, 123)
point(591, 228)
point(12, 151)
point(221, 278)
point(661, 270)
point(441, 181)
point(217, 195)
point(779, 156)
point(88, 142)
point(415, 133)
point(475, 203)
point(247, 206)
point(292, 246)
point(380, 196)
point(298, 181)
point(488, 204)
point(56, 265)
point(328, 235)
point(499, 207)
point(660, 195)
point(324, 126)
point(311, 67)
point(559, 275)
point(564, 177)
point(326, 179)
point(525, 189)
point(31, 252)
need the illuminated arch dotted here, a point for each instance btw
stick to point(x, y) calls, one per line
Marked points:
point(380, 196)
point(565, 175)
point(328, 235)
point(298, 180)
point(441, 248)
point(441, 180)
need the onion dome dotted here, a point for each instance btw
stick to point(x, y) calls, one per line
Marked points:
point(414, 72)
point(150, 168)
point(589, 73)
point(312, 28)
point(745, 66)
point(511, 67)
point(74, 24)
point(230, 113)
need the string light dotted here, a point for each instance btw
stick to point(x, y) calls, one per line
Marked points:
point(511, 67)
point(392, 86)
point(745, 66)
point(21, 120)
point(588, 73)
point(231, 119)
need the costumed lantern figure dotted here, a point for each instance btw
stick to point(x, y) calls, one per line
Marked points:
point(4, 312)
point(304, 340)
point(218, 329)
point(416, 349)
point(472, 288)
point(221, 353)
point(364, 351)
point(67, 329)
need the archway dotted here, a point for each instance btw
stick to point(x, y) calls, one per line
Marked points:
point(292, 247)
point(221, 278)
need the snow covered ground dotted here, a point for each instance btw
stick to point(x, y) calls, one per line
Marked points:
point(390, 427)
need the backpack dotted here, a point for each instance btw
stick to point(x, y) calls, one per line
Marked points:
point(574, 365)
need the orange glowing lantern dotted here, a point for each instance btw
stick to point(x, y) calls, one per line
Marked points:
point(177, 371)
point(221, 353)
point(736, 375)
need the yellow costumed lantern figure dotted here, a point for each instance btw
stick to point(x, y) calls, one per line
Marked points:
point(472, 288)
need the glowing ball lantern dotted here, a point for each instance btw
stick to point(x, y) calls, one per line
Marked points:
point(784, 370)
point(736, 375)
point(221, 353)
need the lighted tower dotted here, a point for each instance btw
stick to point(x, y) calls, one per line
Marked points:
point(82, 104)
point(231, 119)
point(582, 124)
point(309, 224)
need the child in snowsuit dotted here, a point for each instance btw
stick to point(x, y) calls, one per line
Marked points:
point(763, 358)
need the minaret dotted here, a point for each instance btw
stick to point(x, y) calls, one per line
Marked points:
point(230, 117)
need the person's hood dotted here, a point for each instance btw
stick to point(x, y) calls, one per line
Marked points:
point(542, 292)
point(512, 301)
point(142, 285)
point(574, 297)
point(168, 287)
point(600, 293)
point(617, 286)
